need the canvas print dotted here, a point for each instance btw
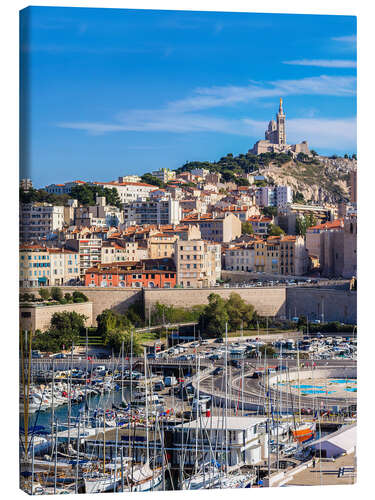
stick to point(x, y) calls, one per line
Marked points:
point(187, 259)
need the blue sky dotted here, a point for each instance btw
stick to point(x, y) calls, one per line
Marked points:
point(108, 92)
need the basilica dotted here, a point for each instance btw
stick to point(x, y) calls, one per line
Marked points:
point(275, 138)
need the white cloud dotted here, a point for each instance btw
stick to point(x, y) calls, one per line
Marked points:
point(212, 97)
point(185, 115)
point(345, 39)
point(323, 63)
point(336, 134)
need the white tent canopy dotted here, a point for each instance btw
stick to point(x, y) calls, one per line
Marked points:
point(342, 441)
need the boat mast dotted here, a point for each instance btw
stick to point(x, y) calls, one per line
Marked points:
point(77, 465)
point(226, 398)
point(122, 371)
point(147, 436)
point(70, 394)
point(299, 386)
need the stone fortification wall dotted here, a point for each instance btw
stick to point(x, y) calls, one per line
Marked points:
point(314, 302)
point(118, 299)
point(266, 301)
point(39, 317)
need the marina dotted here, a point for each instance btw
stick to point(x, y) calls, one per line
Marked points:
point(207, 422)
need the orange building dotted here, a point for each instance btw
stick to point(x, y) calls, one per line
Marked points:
point(148, 273)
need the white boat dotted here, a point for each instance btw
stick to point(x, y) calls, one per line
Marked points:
point(141, 478)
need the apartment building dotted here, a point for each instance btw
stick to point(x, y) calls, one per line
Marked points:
point(47, 266)
point(274, 196)
point(165, 211)
point(222, 229)
point(39, 220)
point(129, 178)
point(260, 256)
point(100, 214)
point(114, 252)
point(240, 257)
point(164, 174)
point(293, 255)
point(129, 191)
point(148, 273)
point(197, 263)
point(161, 245)
point(272, 250)
point(260, 224)
point(89, 251)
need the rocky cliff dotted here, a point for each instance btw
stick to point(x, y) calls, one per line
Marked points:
point(324, 180)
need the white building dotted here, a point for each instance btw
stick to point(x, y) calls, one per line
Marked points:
point(129, 178)
point(89, 251)
point(158, 212)
point(232, 440)
point(164, 174)
point(38, 220)
point(129, 191)
point(200, 172)
point(278, 196)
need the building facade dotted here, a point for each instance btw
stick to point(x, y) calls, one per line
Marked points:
point(240, 257)
point(114, 252)
point(89, 251)
point(41, 266)
point(197, 263)
point(148, 273)
point(39, 220)
point(164, 174)
point(158, 212)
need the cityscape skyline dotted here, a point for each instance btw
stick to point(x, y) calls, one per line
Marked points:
point(116, 92)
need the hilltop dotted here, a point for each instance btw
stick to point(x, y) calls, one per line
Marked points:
point(315, 177)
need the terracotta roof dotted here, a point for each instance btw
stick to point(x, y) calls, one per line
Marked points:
point(335, 224)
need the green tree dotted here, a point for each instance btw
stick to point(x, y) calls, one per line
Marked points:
point(269, 211)
point(241, 181)
point(239, 312)
point(154, 181)
point(300, 226)
point(212, 321)
point(354, 156)
point(302, 223)
point(79, 297)
point(247, 228)
point(298, 198)
point(68, 297)
point(313, 152)
point(56, 293)
point(274, 230)
point(64, 330)
point(109, 321)
point(44, 293)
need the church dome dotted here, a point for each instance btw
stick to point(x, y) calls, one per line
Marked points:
point(272, 125)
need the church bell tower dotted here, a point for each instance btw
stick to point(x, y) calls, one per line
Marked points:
point(280, 120)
